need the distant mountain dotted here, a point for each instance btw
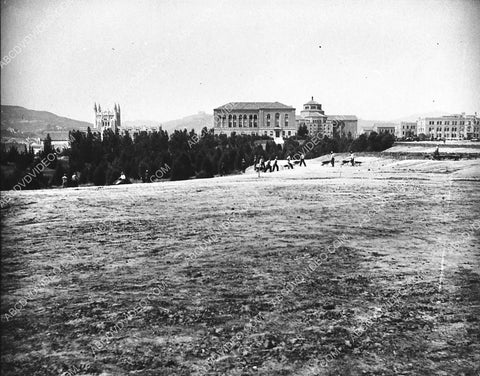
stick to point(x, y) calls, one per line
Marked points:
point(197, 122)
point(18, 121)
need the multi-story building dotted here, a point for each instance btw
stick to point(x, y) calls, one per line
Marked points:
point(406, 129)
point(271, 119)
point(314, 118)
point(450, 127)
point(343, 125)
point(385, 128)
point(107, 119)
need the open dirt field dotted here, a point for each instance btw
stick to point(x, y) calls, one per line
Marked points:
point(370, 270)
point(449, 147)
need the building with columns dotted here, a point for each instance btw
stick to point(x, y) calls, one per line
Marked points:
point(271, 119)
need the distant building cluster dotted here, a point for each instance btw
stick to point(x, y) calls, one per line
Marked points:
point(279, 121)
point(449, 127)
point(111, 119)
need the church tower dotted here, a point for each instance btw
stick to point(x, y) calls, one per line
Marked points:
point(107, 119)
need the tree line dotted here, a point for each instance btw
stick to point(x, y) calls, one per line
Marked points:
point(180, 155)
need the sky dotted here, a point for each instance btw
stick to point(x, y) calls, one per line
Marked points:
point(163, 60)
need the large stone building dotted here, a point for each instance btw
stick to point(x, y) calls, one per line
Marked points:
point(406, 129)
point(450, 127)
point(107, 119)
point(272, 119)
point(314, 118)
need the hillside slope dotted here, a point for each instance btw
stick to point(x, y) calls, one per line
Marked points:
point(31, 123)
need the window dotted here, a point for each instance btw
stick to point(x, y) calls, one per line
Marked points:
point(255, 122)
point(265, 133)
point(234, 121)
point(447, 123)
point(447, 129)
point(268, 120)
point(240, 119)
point(286, 121)
point(439, 123)
point(250, 123)
point(224, 118)
point(229, 121)
point(462, 122)
point(283, 133)
point(289, 133)
point(277, 119)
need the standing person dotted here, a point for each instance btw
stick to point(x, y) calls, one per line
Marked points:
point(268, 167)
point(64, 181)
point(332, 158)
point(302, 160)
point(255, 163)
point(145, 177)
point(436, 153)
point(244, 165)
point(352, 159)
point(289, 162)
point(74, 180)
point(262, 164)
point(275, 164)
point(122, 176)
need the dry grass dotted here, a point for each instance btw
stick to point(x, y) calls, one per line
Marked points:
point(225, 248)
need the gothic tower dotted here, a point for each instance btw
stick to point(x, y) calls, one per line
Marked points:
point(107, 119)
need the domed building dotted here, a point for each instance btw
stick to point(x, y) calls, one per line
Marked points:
point(313, 117)
point(320, 124)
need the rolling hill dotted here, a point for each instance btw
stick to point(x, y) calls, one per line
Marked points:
point(21, 122)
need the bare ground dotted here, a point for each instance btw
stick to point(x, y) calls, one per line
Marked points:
point(396, 244)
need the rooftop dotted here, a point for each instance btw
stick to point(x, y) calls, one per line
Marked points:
point(254, 106)
point(312, 102)
point(342, 117)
